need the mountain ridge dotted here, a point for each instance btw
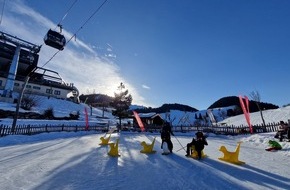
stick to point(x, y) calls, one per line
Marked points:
point(101, 99)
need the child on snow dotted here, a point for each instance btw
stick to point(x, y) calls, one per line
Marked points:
point(198, 144)
point(273, 146)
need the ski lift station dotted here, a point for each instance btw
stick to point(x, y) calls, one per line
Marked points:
point(18, 62)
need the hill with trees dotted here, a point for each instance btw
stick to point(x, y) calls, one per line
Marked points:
point(166, 108)
point(234, 101)
point(100, 100)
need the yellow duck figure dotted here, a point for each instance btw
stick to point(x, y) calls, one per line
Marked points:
point(114, 149)
point(194, 153)
point(105, 141)
point(148, 148)
point(231, 157)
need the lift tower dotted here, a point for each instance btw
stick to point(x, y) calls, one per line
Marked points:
point(10, 43)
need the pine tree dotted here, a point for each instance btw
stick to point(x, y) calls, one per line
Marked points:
point(121, 102)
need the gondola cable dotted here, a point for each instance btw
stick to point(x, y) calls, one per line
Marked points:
point(60, 22)
point(2, 12)
point(82, 26)
point(55, 39)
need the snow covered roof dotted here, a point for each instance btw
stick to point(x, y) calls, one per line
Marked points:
point(149, 115)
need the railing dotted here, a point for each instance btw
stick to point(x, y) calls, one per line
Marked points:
point(225, 130)
point(36, 129)
point(229, 130)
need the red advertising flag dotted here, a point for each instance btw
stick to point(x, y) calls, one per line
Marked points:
point(139, 121)
point(246, 111)
point(87, 118)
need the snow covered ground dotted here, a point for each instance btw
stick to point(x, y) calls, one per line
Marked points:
point(74, 161)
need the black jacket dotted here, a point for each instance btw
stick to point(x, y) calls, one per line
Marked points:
point(166, 132)
point(199, 143)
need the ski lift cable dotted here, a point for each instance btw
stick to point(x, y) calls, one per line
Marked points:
point(59, 23)
point(48, 40)
point(82, 26)
point(2, 12)
point(89, 18)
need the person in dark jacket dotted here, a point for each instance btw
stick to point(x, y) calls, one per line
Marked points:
point(282, 130)
point(166, 133)
point(198, 144)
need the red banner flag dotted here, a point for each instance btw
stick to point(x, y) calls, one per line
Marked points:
point(87, 118)
point(246, 111)
point(139, 121)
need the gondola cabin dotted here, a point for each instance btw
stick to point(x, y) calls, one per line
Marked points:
point(55, 40)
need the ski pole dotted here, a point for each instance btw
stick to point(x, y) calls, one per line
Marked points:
point(180, 143)
point(181, 148)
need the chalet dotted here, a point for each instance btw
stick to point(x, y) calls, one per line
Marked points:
point(151, 121)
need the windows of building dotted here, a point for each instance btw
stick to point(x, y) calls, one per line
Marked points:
point(56, 92)
point(49, 91)
point(36, 87)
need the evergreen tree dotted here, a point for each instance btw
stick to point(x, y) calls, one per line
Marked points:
point(121, 103)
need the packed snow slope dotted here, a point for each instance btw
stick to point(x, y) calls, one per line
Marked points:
point(74, 161)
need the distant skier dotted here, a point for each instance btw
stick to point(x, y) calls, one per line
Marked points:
point(166, 133)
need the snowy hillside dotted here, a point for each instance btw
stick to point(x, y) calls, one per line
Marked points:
point(270, 116)
point(177, 117)
point(64, 108)
point(61, 108)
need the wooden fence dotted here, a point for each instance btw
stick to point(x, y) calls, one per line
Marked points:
point(225, 130)
point(230, 130)
point(36, 129)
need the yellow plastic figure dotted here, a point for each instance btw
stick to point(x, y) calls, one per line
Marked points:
point(114, 149)
point(105, 141)
point(194, 153)
point(148, 148)
point(231, 157)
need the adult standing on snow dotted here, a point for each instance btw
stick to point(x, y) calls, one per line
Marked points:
point(282, 130)
point(166, 133)
point(288, 131)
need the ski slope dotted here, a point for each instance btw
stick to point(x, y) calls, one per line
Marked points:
point(72, 161)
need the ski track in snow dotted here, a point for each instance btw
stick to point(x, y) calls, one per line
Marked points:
point(79, 162)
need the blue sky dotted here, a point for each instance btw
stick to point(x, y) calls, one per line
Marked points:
point(191, 52)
